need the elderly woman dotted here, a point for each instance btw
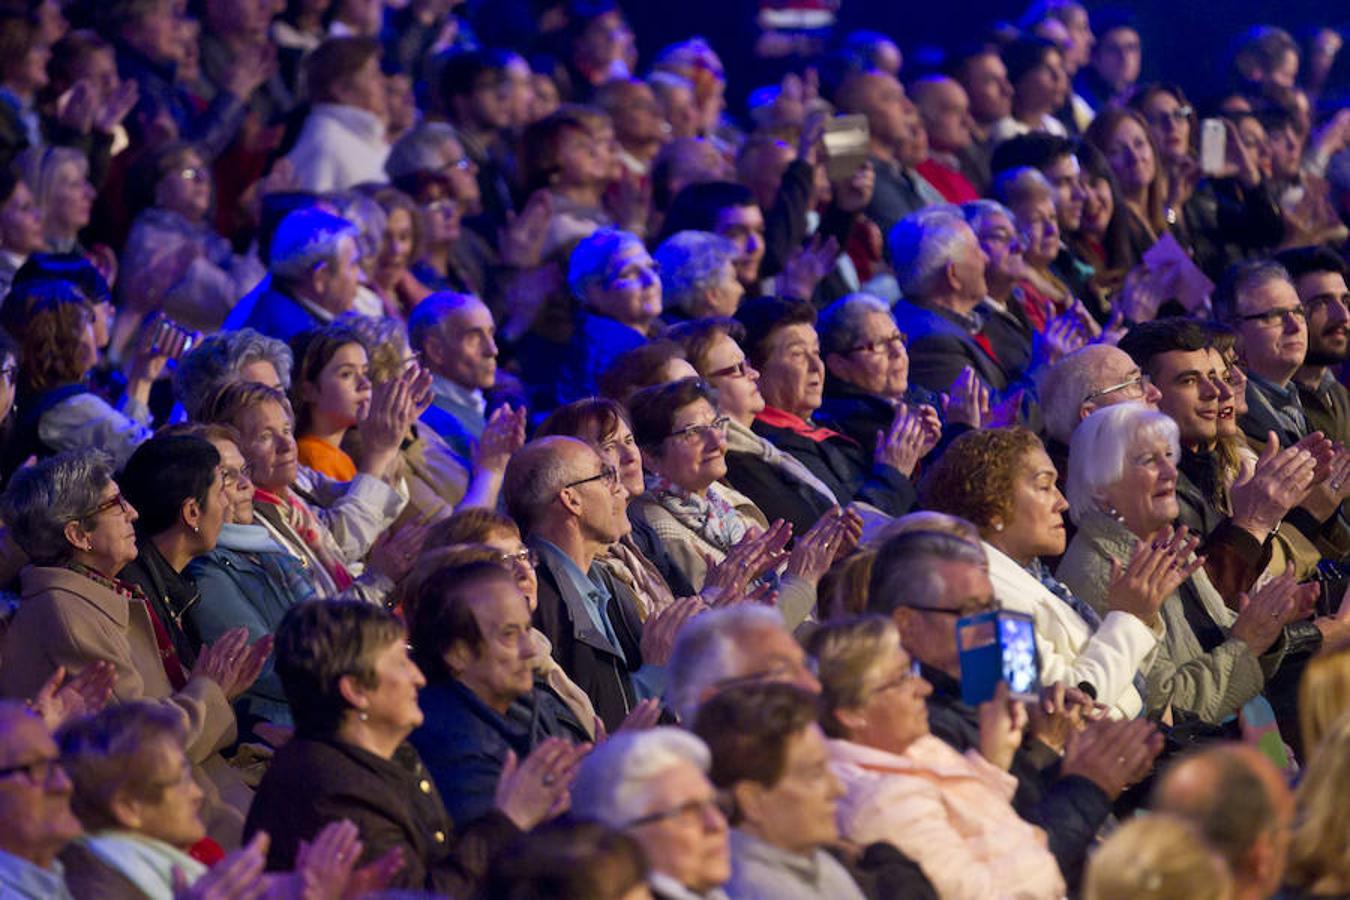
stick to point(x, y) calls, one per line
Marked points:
point(1003, 482)
point(656, 362)
point(1039, 292)
point(243, 355)
point(1122, 490)
point(682, 436)
point(71, 519)
point(698, 271)
point(951, 813)
point(332, 536)
point(173, 220)
point(780, 485)
point(59, 180)
point(60, 350)
point(247, 579)
point(653, 786)
point(1160, 856)
point(563, 155)
point(353, 689)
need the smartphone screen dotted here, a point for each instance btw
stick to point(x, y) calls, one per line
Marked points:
point(1021, 665)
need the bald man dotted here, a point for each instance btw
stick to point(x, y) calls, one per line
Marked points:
point(945, 110)
point(1241, 803)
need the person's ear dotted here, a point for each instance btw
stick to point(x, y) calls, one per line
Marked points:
point(570, 500)
point(749, 799)
point(953, 277)
point(76, 535)
point(353, 693)
point(191, 513)
point(1086, 409)
point(851, 718)
point(126, 810)
point(457, 657)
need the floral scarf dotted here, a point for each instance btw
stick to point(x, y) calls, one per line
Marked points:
point(301, 520)
point(710, 516)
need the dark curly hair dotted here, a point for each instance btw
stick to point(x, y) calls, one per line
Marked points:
point(975, 477)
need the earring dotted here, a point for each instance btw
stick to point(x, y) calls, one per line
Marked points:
point(196, 529)
point(363, 716)
point(998, 526)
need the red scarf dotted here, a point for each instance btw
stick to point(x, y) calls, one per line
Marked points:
point(778, 418)
point(303, 522)
point(168, 656)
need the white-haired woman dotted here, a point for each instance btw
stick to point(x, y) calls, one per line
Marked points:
point(653, 785)
point(1122, 490)
point(698, 273)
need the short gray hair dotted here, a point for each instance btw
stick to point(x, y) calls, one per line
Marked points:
point(420, 149)
point(615, 779)
point(1099, 447)
point(534, 476)
point(841, 323)
point(1241, 278)
point(43, 498)
point(1023, 184)
point(592, 260)
point(430, 314)
point(708, 650)
point(691, 262)
point(1065, 386)
point(921, 244)
point(978, 211)
point(307, 238)
point(905, 571)
point(217, 360)
point(366, 214)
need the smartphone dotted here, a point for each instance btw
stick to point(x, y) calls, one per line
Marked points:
point(1213, 146)
point(845, 139)
point(995, 646)
point(171, 339)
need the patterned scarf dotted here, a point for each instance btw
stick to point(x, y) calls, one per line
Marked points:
point(710, 516)
point(625, 562)
point(301, 519)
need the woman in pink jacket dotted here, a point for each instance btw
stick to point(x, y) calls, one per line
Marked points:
point(949, 812)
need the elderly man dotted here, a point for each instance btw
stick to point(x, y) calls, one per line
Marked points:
point(940, 267)
point(342, 143)
point(1242, 804)
point(770, 756)
point(653, 785)
point(924, 580)
point(312, 277)
point(35, 818)
point(456, 338)
point(480, 703)
point(945, 111)
point(781, 343)
point(1089, 379)
point(571, 505)
point(1318, 274)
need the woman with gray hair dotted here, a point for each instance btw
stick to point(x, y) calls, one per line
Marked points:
point(653, 786)
point(59, 180)
point(243, 355)
point(698, 274)
point(1122, 492)
point(71, 519)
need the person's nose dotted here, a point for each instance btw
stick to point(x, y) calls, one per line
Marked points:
point(815, 364)
point(1167, 471)
point(1207, 390)
point(492, 348)
point(1061, 502)
point(751, 372)
point(1293, 324)
point(58, 780)
point(1151, 393)
point(807, 681)
point(1224, 391)
point(527, 649)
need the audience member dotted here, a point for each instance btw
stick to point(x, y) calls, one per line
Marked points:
point(1161, 855)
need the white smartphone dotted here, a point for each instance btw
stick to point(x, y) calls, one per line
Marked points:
point(1213, 146)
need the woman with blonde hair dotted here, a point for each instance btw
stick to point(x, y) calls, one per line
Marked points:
point(1319, 854)
point(1158, 856)
point(1323, 694)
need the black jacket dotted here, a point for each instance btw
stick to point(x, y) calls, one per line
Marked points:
point(314, 781)
point(583, 652)
point(776, 497)
point(170, 594)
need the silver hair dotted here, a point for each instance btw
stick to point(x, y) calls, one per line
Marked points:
point(1021, 185)
point(365, 212)
point(420, 149)
point(592, 260)
point(430, 314)
point(709, 648)
point(615, 780)
point(1065, 386)
point(534, 476)
point(978, 211)
point(906, 568)
point(662, 82)
point(307, 238)
point(41, 500)
point(217, 360)
point(921, 244)
point(1101, 443)
point(37, 166)
point(691, 262)
point(841, 323)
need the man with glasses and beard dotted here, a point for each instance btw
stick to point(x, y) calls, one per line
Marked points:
point(1318, 274)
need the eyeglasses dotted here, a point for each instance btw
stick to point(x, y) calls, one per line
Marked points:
point(719, 804)
point(522, 557)
point(1136, 386)
point(463, 164)
point(739, 370)
point(694, 433)
point(231, 476)
point(944, 611)
point(609, 475)
point(914, 673)
point(1275, 317)
point(193, 173)
point(38, 772)
point(1178, 115)
point(117, 501)
point(880, 345)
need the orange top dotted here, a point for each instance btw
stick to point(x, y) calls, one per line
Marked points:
point(326, 459)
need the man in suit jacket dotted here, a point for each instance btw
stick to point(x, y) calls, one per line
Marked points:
point(571, 505)
point(312, 277)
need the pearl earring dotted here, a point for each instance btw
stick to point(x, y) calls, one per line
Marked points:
point(998, 526)
point(363, 716)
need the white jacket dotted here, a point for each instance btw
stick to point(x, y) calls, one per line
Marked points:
point(339, 147)
point(1070, 652)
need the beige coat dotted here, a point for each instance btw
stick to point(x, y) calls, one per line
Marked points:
point(66, 619)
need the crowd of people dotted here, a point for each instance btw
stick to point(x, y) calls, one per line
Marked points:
point(446, 454)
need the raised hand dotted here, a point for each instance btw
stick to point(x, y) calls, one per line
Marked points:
point(62, 699)
point(1336, 628)
point(503, 436)
point(324, 866)
point(1263, 615)
point(660, 630)
point(239, 876)
point(748, 560)
point(1264, 493)
point(904, 443)
point(967, 400)
point(232, 663)
point(806, 267)
point(814, 552)
point(854, 193)
point(1112, 754)
point(537, 789)
point(1002, 721)
point(1061, 711)
point(117, 105)
point(1155, 570)
point(521, 242)
point(395, 552)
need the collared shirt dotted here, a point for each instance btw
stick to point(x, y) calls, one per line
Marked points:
point(761, 870)
point(458, 394)
point(1284, 401)
point(21, 878)
point(668, 888)
point(593, 591)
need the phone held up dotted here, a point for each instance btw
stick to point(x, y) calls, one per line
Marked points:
point(995, 646)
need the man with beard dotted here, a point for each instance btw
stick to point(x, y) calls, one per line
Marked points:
point(1318, 274)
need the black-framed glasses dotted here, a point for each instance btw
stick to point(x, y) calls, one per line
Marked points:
point(692, 433)
point(116, 501)
point(888, 344)
point(944, 611)
point(1135, 385)
point(38, 772)
point(522, 557)
point(1273, 317)
point(608, 474)
point(738, 370)
point(1178, 115)
point(721, 804)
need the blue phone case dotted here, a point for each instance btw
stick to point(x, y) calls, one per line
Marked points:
point(995, 646)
